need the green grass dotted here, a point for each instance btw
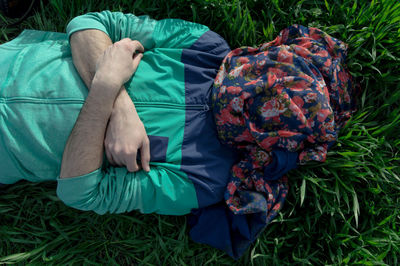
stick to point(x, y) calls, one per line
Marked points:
point(344, 211)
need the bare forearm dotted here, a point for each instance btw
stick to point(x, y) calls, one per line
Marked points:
point(86, 47)
point(83, 152)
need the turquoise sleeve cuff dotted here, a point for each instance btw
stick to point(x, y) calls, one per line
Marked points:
point(76, 191)
point(115, 190)
point(117, 26)
point(166, 33)
point(85, 22)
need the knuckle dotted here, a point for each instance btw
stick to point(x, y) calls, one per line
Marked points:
point(124, 40)
point(116, 149)
point(137, 44)
point(110, 147)
point(127, 151)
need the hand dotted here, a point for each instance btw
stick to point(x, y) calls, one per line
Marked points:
point(125, 135)
point(119, 62)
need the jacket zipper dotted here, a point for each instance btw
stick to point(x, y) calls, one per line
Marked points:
point(39, 100)
point(201, 107)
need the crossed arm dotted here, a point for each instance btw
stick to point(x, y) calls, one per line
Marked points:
point(107, 117)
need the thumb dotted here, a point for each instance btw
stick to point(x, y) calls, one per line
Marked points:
point(136, 60)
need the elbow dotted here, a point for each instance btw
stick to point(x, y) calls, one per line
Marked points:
point(101, 21)
point(81, 192)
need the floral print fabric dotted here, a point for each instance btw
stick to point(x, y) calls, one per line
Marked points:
point(288, 96)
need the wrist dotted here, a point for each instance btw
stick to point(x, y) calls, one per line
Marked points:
point(106, 83)
point(123, 101)
point(107, 87)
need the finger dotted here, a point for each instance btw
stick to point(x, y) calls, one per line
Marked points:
point(109, 157)
point(138, 46)
point(145, 155)
point(136, 61)
point(133, 46)
point(117, 157)
point(131, 164)
point(117, 161)
point(126, 43)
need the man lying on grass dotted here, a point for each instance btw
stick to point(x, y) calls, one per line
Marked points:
point(174, 122)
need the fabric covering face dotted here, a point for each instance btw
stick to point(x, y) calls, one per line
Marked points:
point(280, 104)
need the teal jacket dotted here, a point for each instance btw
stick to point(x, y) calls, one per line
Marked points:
point(41, 95)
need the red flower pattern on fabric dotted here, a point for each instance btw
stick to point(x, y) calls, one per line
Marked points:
point(294, 94)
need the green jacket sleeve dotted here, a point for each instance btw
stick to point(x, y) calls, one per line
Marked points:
point(165, 33)
point(116, 190)
point(117, 26)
